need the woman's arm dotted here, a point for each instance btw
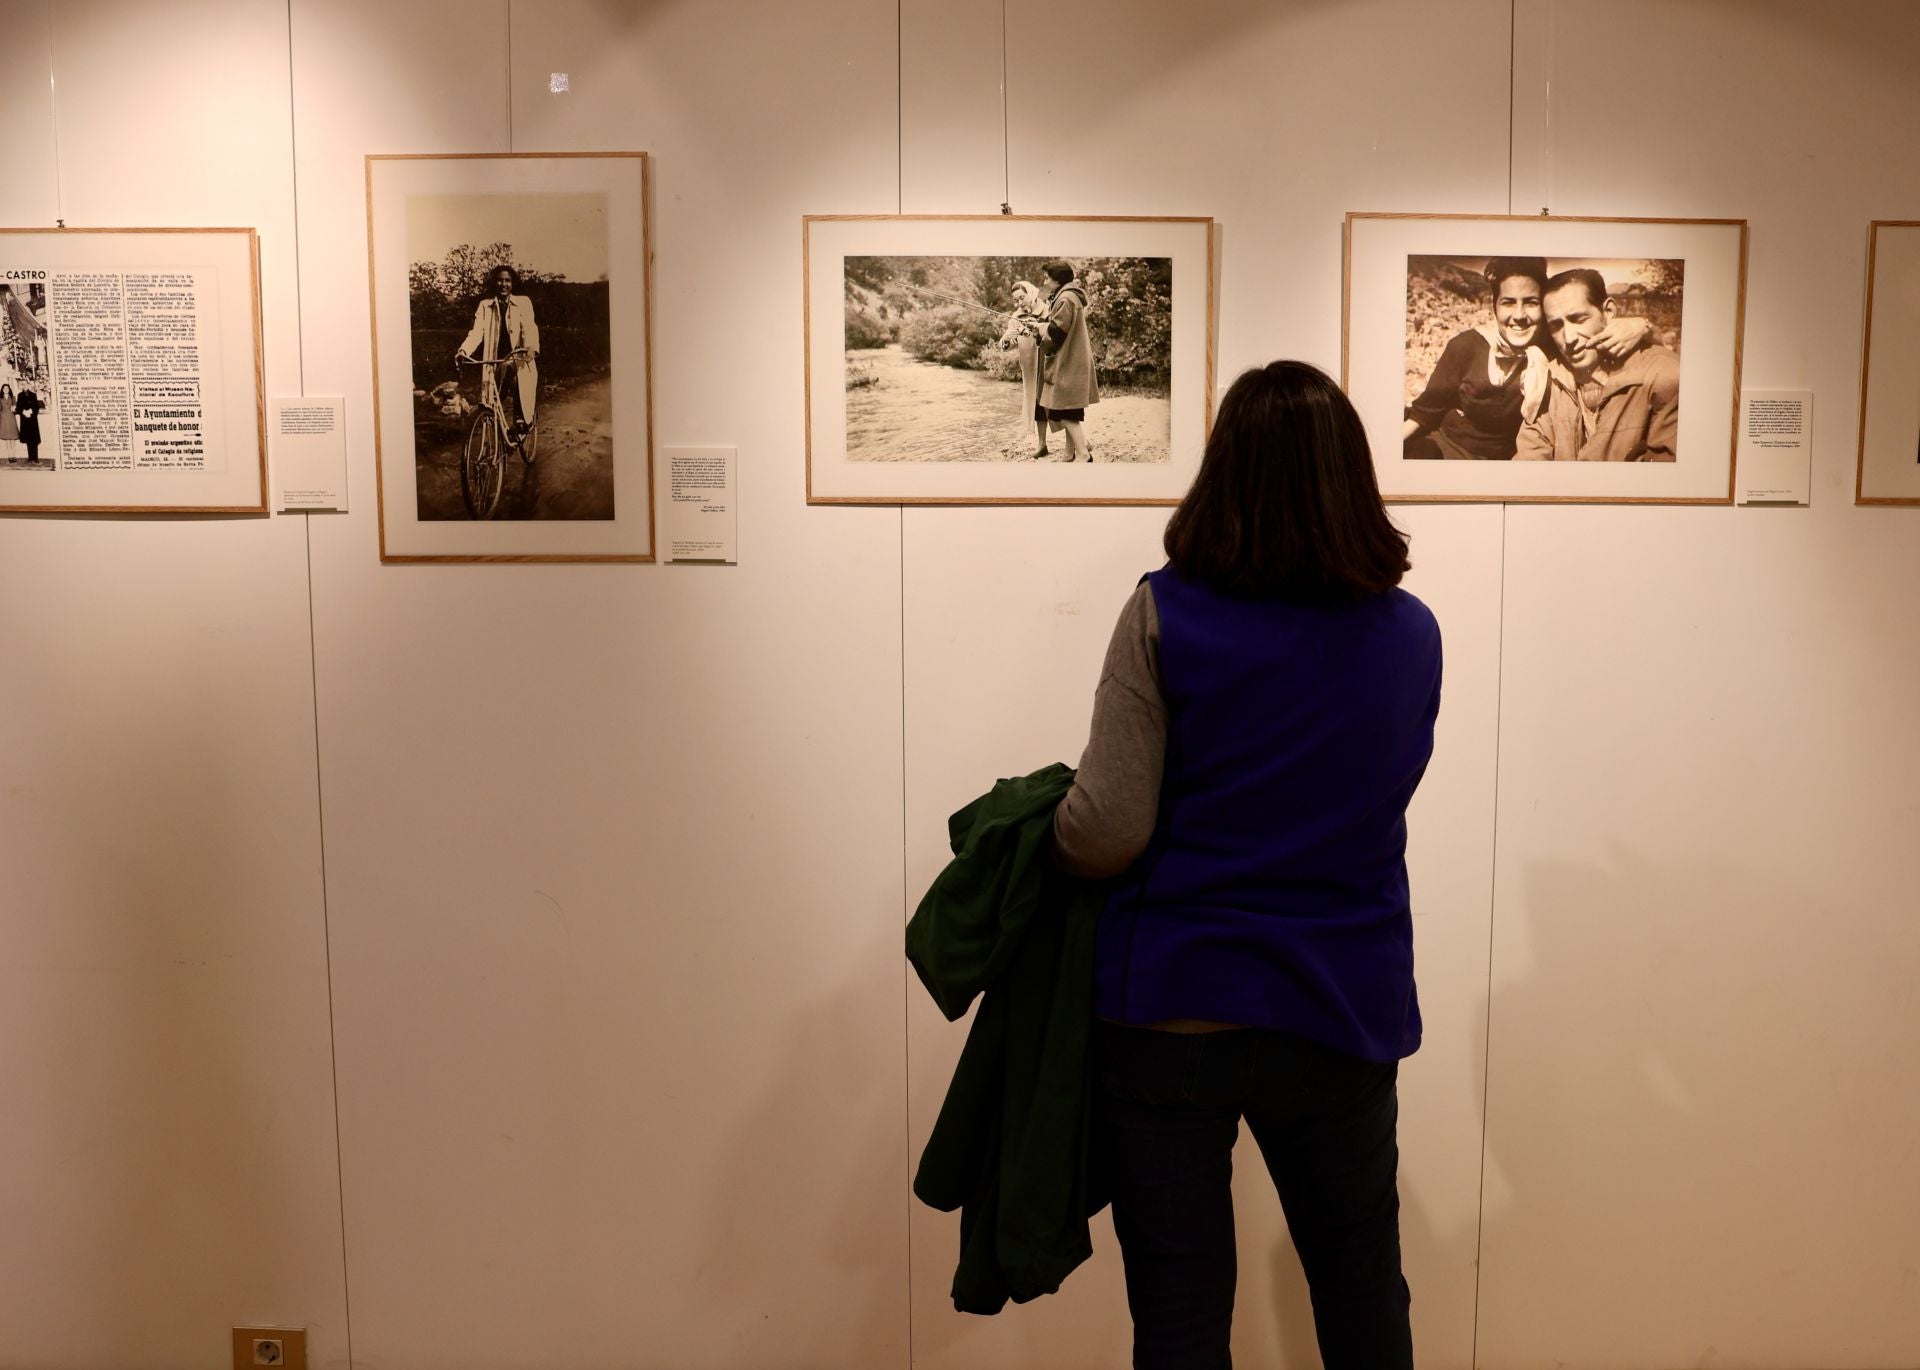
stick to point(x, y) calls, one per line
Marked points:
point(1442, 393)
point(1108, 817)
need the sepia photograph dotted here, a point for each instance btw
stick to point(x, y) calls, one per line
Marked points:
point(1516, 358)
point(976, 359)
point(1529, 358)
point(1888, 469)
point(1009, 359)
point(512, 356)
point(512, 377)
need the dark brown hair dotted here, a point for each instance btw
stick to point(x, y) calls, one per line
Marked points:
point(1531, 268)
point(1285, 503)
point(1585, 277)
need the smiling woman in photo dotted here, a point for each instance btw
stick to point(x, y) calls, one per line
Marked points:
point(1493, 376)
point(1471, 407)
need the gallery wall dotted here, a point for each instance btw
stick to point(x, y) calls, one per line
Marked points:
point(499, 965)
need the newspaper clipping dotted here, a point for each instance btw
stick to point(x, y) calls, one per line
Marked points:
point(110, 370)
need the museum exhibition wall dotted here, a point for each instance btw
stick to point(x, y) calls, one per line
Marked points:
point(497, 965)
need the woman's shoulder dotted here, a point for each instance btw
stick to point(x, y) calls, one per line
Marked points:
point(1411, 613)
point(1468, 340)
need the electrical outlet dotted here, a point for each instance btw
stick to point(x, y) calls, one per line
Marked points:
point(284, 1348)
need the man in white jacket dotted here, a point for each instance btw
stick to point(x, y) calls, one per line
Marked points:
point(502, 325)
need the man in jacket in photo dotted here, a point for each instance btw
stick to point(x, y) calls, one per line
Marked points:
point(1595, 411)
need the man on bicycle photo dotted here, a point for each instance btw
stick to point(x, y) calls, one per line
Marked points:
point(504, 331)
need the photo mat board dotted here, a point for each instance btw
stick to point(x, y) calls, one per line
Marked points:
point(1517, 398)
point(512, 356)
point(929, 350)
point(131, 374)
point(1889, 461)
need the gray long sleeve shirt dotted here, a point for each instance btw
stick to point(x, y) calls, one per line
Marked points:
point(1108, 816)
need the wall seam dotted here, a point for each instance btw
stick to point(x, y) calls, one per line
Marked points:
point(53, 120)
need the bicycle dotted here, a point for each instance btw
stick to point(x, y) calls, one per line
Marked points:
point(483, 470)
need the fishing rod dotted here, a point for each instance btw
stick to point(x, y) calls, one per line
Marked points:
point(955, 299)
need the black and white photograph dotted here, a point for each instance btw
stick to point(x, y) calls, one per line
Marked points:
point(1889, 460)
point(26, 383)
point(513, 404)
point(512, 359)
point(1009, 359)
point(1541, 346)
point(1517, 358)
point(975, 360)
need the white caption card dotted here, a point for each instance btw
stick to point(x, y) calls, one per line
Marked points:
point(1776, 446)
point(307, 436)
point(700, 496)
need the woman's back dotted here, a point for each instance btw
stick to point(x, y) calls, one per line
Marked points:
point(1273, 892)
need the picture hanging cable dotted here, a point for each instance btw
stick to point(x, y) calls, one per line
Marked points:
point(53, 110)
point(1006, 159)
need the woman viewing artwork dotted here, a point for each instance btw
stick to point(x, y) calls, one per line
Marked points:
point(1491, 375)
point(1255, 958)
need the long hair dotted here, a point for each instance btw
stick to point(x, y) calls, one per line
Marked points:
point(1286, 504)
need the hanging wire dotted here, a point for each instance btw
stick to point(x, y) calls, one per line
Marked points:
point(1006, 159)
point(53, 107)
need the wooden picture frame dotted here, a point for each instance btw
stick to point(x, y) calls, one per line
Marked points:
point(457, 479)
point(1437, 374)
point(139, 352)
point(917, 383)
point(1888, 465)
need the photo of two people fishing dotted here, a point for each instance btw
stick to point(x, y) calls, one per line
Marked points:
point(1009, 359)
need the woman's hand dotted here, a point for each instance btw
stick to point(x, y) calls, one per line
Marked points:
point(1622, 338)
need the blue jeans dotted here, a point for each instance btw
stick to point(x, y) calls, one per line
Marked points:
point(1170, 1106)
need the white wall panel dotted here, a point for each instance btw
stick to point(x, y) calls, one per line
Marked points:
point(1705, 1061)
point(1157, 110)
point(168, 1168)
point(1276, 120)
point(615, 850)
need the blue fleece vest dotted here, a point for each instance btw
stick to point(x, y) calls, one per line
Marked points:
point(1274, 891)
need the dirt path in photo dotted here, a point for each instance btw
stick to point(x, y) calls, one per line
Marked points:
point(572, 473)
point(907, 410)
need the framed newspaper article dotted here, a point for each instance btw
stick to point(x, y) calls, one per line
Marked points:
point(1889, 469)
point(512, 350)
point(998, 359)
point(1516, 359)
point(130, 371)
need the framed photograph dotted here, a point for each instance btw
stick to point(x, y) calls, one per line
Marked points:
point(1515, 359)
point(998, 359)
point(512, 356)
point(130, 371)
point(1889, 471)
